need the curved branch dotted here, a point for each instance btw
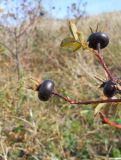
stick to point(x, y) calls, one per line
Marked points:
point(107, 121)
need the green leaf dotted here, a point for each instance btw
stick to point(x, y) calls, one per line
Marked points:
point(70, 44)
point(115, 152)
point(73, 30)
point(118, 120)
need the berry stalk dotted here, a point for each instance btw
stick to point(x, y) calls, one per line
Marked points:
point(102, 62)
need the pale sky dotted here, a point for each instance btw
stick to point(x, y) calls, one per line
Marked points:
point(93, 6)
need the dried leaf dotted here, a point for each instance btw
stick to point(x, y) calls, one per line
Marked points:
point(99, 107)
point(80, 36)
point(73, 30)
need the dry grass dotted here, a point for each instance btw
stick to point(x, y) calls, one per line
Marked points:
point(34, 130)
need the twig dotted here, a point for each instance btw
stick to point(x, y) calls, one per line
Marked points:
point(102, 62)
point(107, 121)
point(86, 101)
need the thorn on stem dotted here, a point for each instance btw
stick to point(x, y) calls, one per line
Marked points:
point(97, 27)
point(91, 30)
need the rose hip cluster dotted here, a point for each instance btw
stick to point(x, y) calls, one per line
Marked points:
point(111, 86)
point(97, 40)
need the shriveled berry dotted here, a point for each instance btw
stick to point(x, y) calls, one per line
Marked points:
point(45, 90)
point(109, 89)
point(98, 38)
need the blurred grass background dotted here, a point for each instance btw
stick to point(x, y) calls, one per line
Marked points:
point(55, 130)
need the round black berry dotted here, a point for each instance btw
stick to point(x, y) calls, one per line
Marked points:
point(109, 89)
point(98, 38)
point(45, 90)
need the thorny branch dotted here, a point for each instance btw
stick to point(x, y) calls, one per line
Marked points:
point(86, 101)
point(102, 62)
point(109, 100)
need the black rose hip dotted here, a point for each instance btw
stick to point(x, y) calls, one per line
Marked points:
point(109, 89)
point(96, 38)
point(45, 90)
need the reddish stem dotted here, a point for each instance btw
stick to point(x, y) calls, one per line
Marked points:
point(86, 101)
point(107, 121)
point(102, 62)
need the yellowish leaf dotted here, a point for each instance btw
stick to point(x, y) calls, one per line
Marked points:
point(80, 36)
point(99, 107)
point(70, 44)
point(73, 30)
